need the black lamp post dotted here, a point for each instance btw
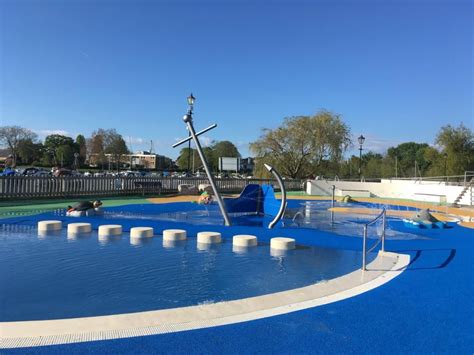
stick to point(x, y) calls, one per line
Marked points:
point(446, 166)
point(76, 161)
point(191, 100)
point(361, 140)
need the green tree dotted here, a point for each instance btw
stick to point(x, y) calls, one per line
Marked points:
point(81, 146)
point(11, 136)
point(185, 158)
point(457, 144)
point(195, 162)
point(223, 149)
point(303, 145)
point(29, 152)
point(407, 156)
point(372, 165)
point(437, 162)
point(65, 155)
point(58, 150)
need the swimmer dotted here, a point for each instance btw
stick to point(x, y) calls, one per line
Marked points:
point(84, 206)
point(205, 198)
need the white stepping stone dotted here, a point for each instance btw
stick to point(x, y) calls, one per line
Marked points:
point(141, 232)
point(47, 226)
point(110, 229)
point(172, 235)
point(77, 228)
point(281, 243)
point(208, 237)
point(244, 240)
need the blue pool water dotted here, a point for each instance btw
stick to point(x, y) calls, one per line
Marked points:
point(56, 276)
point(61, 277)
point(300, 214)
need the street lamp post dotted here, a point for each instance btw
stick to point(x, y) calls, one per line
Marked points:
point(191, 100)
point(446, 166)
point(76, 161)
point(361, 140)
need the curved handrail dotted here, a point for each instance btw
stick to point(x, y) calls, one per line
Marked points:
point(384, 211)
point(382, 215)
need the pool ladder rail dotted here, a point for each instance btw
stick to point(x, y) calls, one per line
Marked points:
point(383, 216)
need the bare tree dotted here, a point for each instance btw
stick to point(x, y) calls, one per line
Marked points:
point(11, 136)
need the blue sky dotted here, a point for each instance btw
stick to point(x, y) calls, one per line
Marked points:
point(395, 70)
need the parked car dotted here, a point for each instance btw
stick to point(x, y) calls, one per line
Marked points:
point(33, 171)
point(42, 172)
point(29, 171)
point(62, 172)
point(8, 172)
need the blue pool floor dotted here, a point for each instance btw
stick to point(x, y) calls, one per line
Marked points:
point(429, 308)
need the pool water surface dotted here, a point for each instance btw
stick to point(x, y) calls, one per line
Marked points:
point(61, 276)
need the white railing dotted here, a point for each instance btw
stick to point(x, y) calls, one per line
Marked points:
point(21, 187)
point(381, 239)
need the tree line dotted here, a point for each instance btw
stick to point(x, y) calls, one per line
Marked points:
point(61, 150)
point(311, 146)
point(301, 147)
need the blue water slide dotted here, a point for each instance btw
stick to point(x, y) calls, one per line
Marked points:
point(254, 199)
point(249, 200)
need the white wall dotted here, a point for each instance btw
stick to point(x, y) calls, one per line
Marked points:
point(430, 191)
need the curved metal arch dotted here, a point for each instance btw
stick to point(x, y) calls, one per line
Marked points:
point(282, 209)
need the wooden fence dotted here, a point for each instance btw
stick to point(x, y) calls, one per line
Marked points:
point(26, 187)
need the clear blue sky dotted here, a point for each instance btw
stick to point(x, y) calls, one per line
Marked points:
point(395, 70)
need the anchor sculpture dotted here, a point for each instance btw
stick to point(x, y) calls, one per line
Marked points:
point(188, 119)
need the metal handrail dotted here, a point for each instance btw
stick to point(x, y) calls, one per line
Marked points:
point(466, 174)
point(382, 215)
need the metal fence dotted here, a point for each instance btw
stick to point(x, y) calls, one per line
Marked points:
point(23, 187)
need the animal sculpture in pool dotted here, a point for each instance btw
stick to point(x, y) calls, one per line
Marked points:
point(85, 208)
point(424, 219)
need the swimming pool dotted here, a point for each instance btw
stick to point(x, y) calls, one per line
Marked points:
point(56, 278)
point(61, 276)
point(429, 256)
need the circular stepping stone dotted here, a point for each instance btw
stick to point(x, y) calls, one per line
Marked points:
point(110, 229)
point(282, 243)
point(141, 232)
point(208, 237)
point(47, 226)
point(172, 235)
point(244, 240)
point(76, 228)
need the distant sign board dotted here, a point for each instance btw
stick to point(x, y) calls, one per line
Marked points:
point(229, 164)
